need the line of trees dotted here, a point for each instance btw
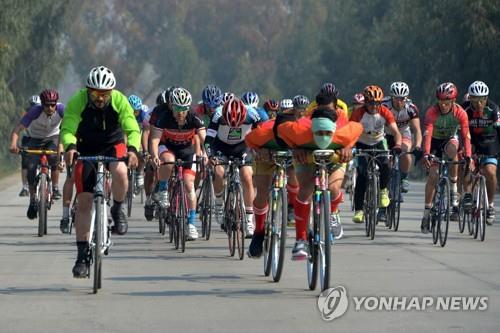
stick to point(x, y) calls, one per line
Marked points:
point(278, 48)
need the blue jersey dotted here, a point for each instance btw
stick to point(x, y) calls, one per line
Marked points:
point(262, 114)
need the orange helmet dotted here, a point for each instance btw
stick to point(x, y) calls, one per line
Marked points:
point(234, 112)
point(373, 94)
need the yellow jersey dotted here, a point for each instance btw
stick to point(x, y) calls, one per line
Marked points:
point(340, 104)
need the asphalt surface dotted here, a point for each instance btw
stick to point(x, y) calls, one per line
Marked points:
point(149, 287)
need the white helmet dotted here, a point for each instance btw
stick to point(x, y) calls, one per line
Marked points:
point(101, 78)
point(180, 97)
point(286, 103)
point(479, 89)
point(34, 100)
point(399, 89)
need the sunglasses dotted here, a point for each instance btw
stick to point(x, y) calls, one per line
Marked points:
point(103, 94)
point(50, 105)
point(178, 108)
point(445, 101)
point(374, 103)
point(478, 98)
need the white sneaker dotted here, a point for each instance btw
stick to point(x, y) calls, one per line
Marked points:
point(250, 227)
point(335, 227)
point(140, 180)
point(163, 199)
point(192, 232)
point(218, 213)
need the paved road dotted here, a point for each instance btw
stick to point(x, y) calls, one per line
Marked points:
point(149, 287)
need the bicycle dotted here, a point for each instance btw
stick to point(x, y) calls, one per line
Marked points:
point(441, 201)
point(319, 237)
point(371, 198)
point(234, 214)
point(276, 221)
point(177, 212)
point(100, 242)
point(43, 183)
point(206, 201)
point(475, 218)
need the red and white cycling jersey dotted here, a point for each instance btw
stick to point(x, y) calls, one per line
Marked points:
point(373, 124)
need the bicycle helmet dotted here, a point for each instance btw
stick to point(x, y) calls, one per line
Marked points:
point(212, 96)
point(145, 108)
point(373, 93)
point(250, 99)
point(286, 104)
point(34, 100)
point(101, 78)
point(135, 101)
point(49, 96)
point(358, 98)
point(181, 97)
point(446, 90)
point(478, 89)
point(300, 102)
point(234, 112)
point(399, 89)
point(271, 105)
point(227, 96)
point(162, 98)
point(329, 89)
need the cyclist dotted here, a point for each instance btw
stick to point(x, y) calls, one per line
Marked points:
point(172, 138)
point(406, 115)
point(484, 125)
point(226, 139)
point(262, 139)
point(374, 117)
point(34, 100)
point(327, 128)
point(251, 99)
point(358, 101)
point(443, 121)
point(141, 115)
point(42, 122)
point(272, 107)
point(96, 119)
point(211, 100)
point(328, 89)
point(163, 104)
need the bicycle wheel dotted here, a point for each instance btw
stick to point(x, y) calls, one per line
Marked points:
point(239, 225)
point(325, 243)
point(435, 214)
point(397, 209)
point(374, 207)
point(462, 216)
point(267, 246)
point(279, 234)
point(97, 248)
point(229, 220)
point(130, 191)
point(481, 216)
point(368, 202)
point(208, 201)
point(42, 205)
point(444, 212)
point(313, 238)
point(181, 216)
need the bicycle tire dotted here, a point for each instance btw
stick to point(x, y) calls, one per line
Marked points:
point(481, 225)
point(130, 191)
point(312, 237)
point(267, 246)
point(444, 220)
point(97, 249)
point(279, 234)
point(435, 214)
point(325, 242)
point(182, 215)
point(239, 230)
point(42, 205)
point(229, 221)
point(208, 198)
point(373, 215)
point(462, 217)
point(397, 209)
point(368, 202)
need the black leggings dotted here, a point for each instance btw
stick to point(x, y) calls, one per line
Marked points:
point(384, 168)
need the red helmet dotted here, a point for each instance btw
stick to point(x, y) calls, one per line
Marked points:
point(49, 96)
point(446, 90)
point(234, 112)
point(271, 105)
point(358, 98)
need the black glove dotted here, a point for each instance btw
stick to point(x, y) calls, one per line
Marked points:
point(396, 150)
point(417, 152)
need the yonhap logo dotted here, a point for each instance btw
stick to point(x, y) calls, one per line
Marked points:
point(333, 303)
